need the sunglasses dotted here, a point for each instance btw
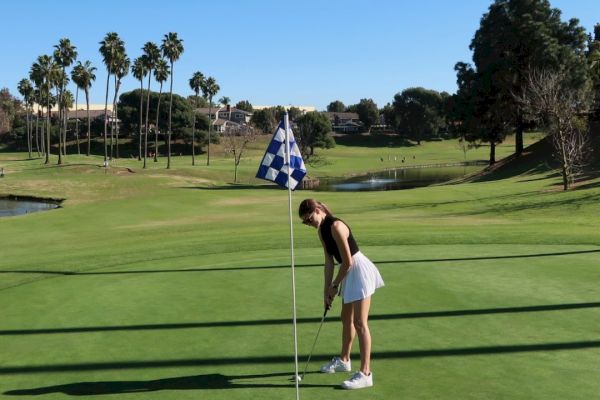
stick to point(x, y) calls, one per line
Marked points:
point(309, 220)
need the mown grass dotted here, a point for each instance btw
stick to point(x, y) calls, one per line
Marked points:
point(175, 284)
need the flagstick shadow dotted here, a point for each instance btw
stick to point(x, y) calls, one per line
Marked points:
point(194, 382)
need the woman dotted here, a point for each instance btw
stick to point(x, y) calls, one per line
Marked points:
point(356, 280)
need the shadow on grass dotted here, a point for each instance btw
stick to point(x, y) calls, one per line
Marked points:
point(380, 355)
point(286, 321)
point(268, 267)
point(194, 382)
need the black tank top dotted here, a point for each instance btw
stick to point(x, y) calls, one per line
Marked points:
point(330, 243)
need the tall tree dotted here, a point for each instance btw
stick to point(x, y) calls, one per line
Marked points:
point(593, 56)
point(532, 36)
point(139, 71)
point(66, 105)
point(64, 55)
point(26, 90)
point(75, 73)
point(110, 48)
point(121, 70)
point(172, 48)
point(37, 81)
point(210, 88)
point(368, 113)
point(336, 106)
point(61, 80)
point(83, 75)
point(152, 55)
point(314, 131)
point(47, 70)
point(561, 109)
point(161, 73)
point(196, 83)
point(236, 141)
point(244, 105)
point(418, 112)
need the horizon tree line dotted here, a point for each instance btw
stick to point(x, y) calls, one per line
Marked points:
point(49, 73)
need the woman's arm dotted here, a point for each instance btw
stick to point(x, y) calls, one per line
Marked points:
point(327, 275)
point(340, 234)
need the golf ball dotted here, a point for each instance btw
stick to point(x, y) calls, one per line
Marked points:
point(297, 377)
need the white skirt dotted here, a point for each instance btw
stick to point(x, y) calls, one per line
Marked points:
point(362, 279)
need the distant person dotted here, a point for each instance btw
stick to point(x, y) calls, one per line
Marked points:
point(356, 280)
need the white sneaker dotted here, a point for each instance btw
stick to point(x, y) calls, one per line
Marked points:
point(358, 381)
point(336, 365)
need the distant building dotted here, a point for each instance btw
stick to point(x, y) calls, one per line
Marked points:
point(228, 113)
point(344, 122)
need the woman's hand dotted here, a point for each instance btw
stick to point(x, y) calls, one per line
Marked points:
point(332, 291)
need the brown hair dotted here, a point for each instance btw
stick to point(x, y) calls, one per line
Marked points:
point(309, 206)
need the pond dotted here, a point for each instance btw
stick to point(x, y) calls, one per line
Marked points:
point(13, 206)
point(401, 178)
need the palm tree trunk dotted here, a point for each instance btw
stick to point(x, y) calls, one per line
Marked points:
point(48, 130)
point(89, 137)
point(65, 120)
point(170, 111)
point(77, 119)
point(112, 125)
point(147, 115)
point(141, 116)
point(156, 126)
point(194, 134)
point(59, 162)
point(117, 128)
point(106, 120)
point(115, 123)
point(28, 123)
point(209, 129)
point(37, 140)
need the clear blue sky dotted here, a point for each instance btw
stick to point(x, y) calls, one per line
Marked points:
point(269, 52)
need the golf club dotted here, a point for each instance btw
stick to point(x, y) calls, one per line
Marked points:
point(313, 346)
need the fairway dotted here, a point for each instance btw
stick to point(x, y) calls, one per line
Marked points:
point(176, 284)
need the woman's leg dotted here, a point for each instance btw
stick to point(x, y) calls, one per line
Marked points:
point(361, 318)
point(348, 330)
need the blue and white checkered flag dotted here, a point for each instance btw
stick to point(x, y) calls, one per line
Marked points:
point(274, 167)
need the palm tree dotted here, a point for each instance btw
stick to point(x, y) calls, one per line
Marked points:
point(26, 90)
point(121, 70)
point(46, 70)
point(37, 81)
point(110, 48)
point(152, 54)
point(209, 89)
point(61, 80)
point(75, 72)
point(196, 82)
point(225, 101)
point(66, 105)
point(172, 48)
point(161, 73)
point(139, 71)
point(83, 76)
point(64, 55)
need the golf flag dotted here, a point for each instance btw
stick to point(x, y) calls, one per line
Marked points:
point(274, 166)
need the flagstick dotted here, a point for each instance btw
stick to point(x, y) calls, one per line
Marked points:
point(288, 162)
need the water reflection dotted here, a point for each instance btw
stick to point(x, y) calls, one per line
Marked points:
point(11, 207)
point(395, 179)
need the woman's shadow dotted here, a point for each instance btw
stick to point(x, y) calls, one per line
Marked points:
point(195, 382)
